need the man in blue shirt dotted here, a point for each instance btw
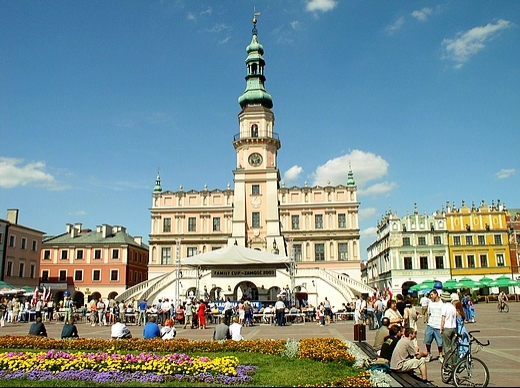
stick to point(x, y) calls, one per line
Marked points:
point(141, 318)
point(151, 329)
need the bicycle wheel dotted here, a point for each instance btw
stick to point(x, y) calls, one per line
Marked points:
point(505, 308)
point(447, 365)
point(471, 373)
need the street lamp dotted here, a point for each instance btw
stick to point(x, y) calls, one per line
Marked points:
point(178, 273)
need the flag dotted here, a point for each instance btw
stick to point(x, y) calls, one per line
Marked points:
point(389, 290)
point(34, 299)
point(377, 291)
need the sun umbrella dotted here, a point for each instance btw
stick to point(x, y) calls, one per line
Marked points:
point(504, 281)
point(6, 286)
point(485, 281)
point(28, 289)
point(452, 284)
point(424, 284)
point(470, 283)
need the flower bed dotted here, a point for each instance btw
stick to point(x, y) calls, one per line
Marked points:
point(150, 361)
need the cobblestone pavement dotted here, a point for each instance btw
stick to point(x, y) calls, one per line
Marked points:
point(501, 329)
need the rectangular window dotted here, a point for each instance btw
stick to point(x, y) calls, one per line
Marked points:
point(498, 239)
point(33, 271)
point(483, 261)
point(135, 277)
point(216, 224)
point(64, 254)
point(297, 252)
point(192, 251)
point(423, 260)
point(115, 254)
point(481, 240)
point(458, 261)
point(406, 241)
point(342, 220)
point(439, 262)
point(319, 252)
point(437, 240)
point(167, 225)
point(62, 275)
point(78, 275)
point(342, 251)
point(456, 240)
point(45, 275)
point(318, 221)
point(255, 221)
point(96, 275)
point(500, 260)
point(295, 222)
point(1, 238)
point(471, 261)
point(46, 254)
point(192, 224)
point(166, 256)
point(255, 189)
point(422, 240)
point(407, 263)
point(469, 240)
point(12, 241)
point(34, 245)
point(79, 254)
point(21, 270)
point(24, 243)
point(9, 270)
point(114, 275)
point(97, 254)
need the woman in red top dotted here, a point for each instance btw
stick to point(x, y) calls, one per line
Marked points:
point(201, 314)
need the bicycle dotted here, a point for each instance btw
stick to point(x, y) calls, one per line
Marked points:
point(468, 371)
point(503, 308)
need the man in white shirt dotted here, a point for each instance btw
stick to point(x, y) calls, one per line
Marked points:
point(424, 307)
point(120, 330)
point(235, 330)
point(433, 327)
point(357, 310)
point(448, 328)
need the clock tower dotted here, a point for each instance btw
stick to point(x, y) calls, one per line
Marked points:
point(256, 219)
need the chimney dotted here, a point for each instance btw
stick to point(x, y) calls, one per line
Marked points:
point(106, 231)
point(138, 240)
point(12, 216)
point(68, 228)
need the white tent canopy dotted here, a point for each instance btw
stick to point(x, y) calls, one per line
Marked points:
point(236, 255)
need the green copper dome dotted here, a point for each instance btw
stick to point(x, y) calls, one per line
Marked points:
point(255, 93)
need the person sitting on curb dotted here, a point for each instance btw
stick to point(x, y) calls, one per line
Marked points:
point(69, 330)
point(151, 329)
point(119, 330)
point(235, 329)
point(168, 331)
point(38, 328)
point(221, 331)
point(406, 357)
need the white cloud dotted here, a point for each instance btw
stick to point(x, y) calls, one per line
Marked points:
point(294, 25)
point(505, 173)
point(368, 232)
point(13, 173)
point(78, 213)
point(396, 26)
point(191, 16)
point(292, 174)
point(366, 167)
point(466, 44)
point(422, 14)
point(320, 5)
point(367, 212)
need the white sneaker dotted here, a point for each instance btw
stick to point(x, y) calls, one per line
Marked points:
point(428, 358)
point(441, 359)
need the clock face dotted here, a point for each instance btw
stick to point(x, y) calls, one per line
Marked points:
point(255, 159)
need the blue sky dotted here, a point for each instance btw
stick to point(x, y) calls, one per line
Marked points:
point(421, 97)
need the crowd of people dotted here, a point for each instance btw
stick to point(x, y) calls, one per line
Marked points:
point(444, 316)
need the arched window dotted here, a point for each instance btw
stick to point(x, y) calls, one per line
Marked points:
point(254, 130)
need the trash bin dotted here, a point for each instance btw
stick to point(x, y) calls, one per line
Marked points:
point(360, 333)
